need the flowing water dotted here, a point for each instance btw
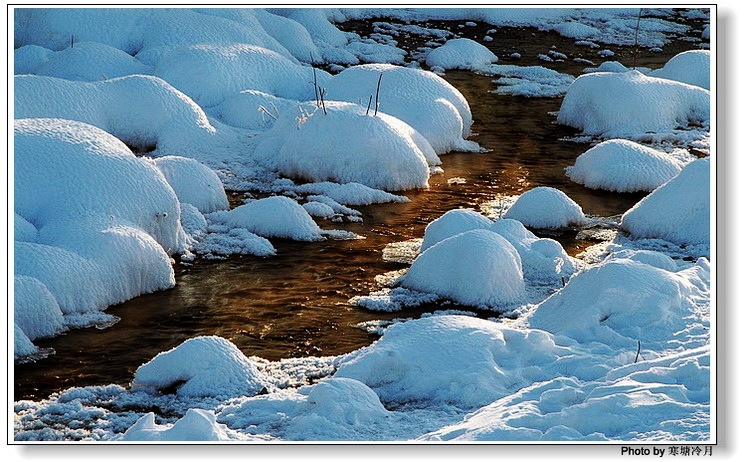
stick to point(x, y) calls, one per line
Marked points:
point(296, 303)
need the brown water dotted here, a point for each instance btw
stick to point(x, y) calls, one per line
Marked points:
point(296, 304)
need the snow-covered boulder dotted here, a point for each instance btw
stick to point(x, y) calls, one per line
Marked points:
point(91, 61)
point(251, 109)
point(621, 302)
point(195, 425)
point(678, 211)
point(201, 366)
point(451, 223)
point(28, 58)
point(344, 400)
point(378, 151)
point(623, 166)
point(544, 261)
point(691, 67)
point(36, 311)
point(143, 111)
point(454, 359)
point(545, 208)
point(211, 73)
point(461, 53)
point(193, 183)
point(477, 267)
point(22, 345)
point(276, 216)
point(624, 104)
point(420, 98)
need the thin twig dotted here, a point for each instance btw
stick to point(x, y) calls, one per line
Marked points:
point(315, 87)
point(368, 106)
point(377, 94)
point(638, 350)
point(322, 92)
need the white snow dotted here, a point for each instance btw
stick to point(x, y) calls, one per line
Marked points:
point(677, 211)
point(619, 104)
point(477, 267)
point(28, 58)
point(530, 81)
point(691, 67)
point(91, 61)
point(36, 311)
point(623, 166)
point(275, 216)
point(201, 366)
point(195, 425)
point(425, 101)
point(251, 109)
point(461, 53)
point(451, 223)
point(545, 207)
point(193, 183)
point(380, 151)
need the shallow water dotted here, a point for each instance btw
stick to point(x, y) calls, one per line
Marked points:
point(296, 304)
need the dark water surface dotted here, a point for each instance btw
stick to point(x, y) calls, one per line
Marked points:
point(296, 303)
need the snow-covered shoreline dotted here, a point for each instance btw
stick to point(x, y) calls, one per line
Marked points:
point(590, 343)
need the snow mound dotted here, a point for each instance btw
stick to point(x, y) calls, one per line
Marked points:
point(276, 216)
point(453, 359)
point(193, 183)
point(691, 67)
point(544, 261)
point(36, 311)
point(545, 208)
point(89, 62)
point(621, 302)
point(199, 367)
point(648, 257)
point(344, 400)
point(461, 53)
point(678, 211)
point(451, 223)
point(380, 151)
point(210, 73)
point(477, 267)
point(623, 166)
point(23, 230)
point(420, 98)
point(195, 425)
point(142, 111)
point(28, 58)
point(623, 104)
point(22, 345)
point(251, 109)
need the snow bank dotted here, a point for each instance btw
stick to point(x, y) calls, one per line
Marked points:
point(193, 183)
point(195, 425)
point(691, 67)
point(623, 166)
point(461, 53)
point(210, 73)
point(451, 223)
point(621, 302)
point(420, 98)
point(477, 267)
point(201, 366)
point(460, 360)
point(142, 111)
point(378, 151)
point(275, 216)
point(91, 61)
point(545, 207)
point(624, 104)
point(678, 211)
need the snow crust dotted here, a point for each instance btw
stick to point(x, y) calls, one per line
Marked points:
point(461, 53)
point(545, 207)
point(622, 104)
point(201, 366)
point(678, 211)
point(623, 166)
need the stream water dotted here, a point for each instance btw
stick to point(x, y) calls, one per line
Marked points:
point(296, 303)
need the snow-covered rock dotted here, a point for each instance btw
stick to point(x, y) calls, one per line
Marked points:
point(36, 311)
point(691, 67)
point(623, 166)
point(275, 216)
point(623, 104)
point(377, 151)
point(678, 211)
point(195, 425)
point(450, 359)
point(545, 208)
point(201, 366)
point(420, 98)
point(451, 223)
point(193, 183)
point(477, 267)
point(461, 53)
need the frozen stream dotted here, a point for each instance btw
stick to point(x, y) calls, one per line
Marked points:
point(296, 303)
